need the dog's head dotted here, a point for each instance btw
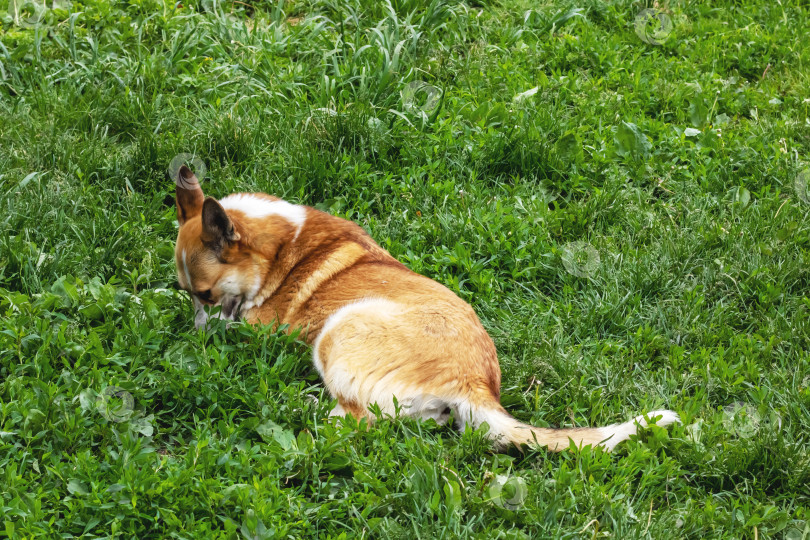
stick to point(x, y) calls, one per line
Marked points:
point(214, 264)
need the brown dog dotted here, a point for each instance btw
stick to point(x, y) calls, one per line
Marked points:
point(377, 330)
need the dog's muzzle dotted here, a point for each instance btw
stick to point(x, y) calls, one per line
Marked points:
point(229, 310)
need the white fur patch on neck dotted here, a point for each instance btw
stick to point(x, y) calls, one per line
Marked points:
point(259, 207)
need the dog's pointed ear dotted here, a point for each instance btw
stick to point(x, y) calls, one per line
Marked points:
point(217, 228)
point(188, 195)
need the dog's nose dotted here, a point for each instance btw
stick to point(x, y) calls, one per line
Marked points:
point(229, 310)
point(230, 307)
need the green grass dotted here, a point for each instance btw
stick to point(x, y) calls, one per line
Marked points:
point(676, 163)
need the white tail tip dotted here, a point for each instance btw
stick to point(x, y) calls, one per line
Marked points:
point(622, 432)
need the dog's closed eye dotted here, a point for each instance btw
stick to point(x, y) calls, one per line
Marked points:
point(204, 296)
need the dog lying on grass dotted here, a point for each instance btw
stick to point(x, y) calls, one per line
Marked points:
point(377, 330)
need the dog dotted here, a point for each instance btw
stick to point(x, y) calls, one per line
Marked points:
point(379, 332)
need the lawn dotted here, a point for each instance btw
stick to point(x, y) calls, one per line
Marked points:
point(622, 195)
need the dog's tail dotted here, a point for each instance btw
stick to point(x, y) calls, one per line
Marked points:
point(504, 429)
